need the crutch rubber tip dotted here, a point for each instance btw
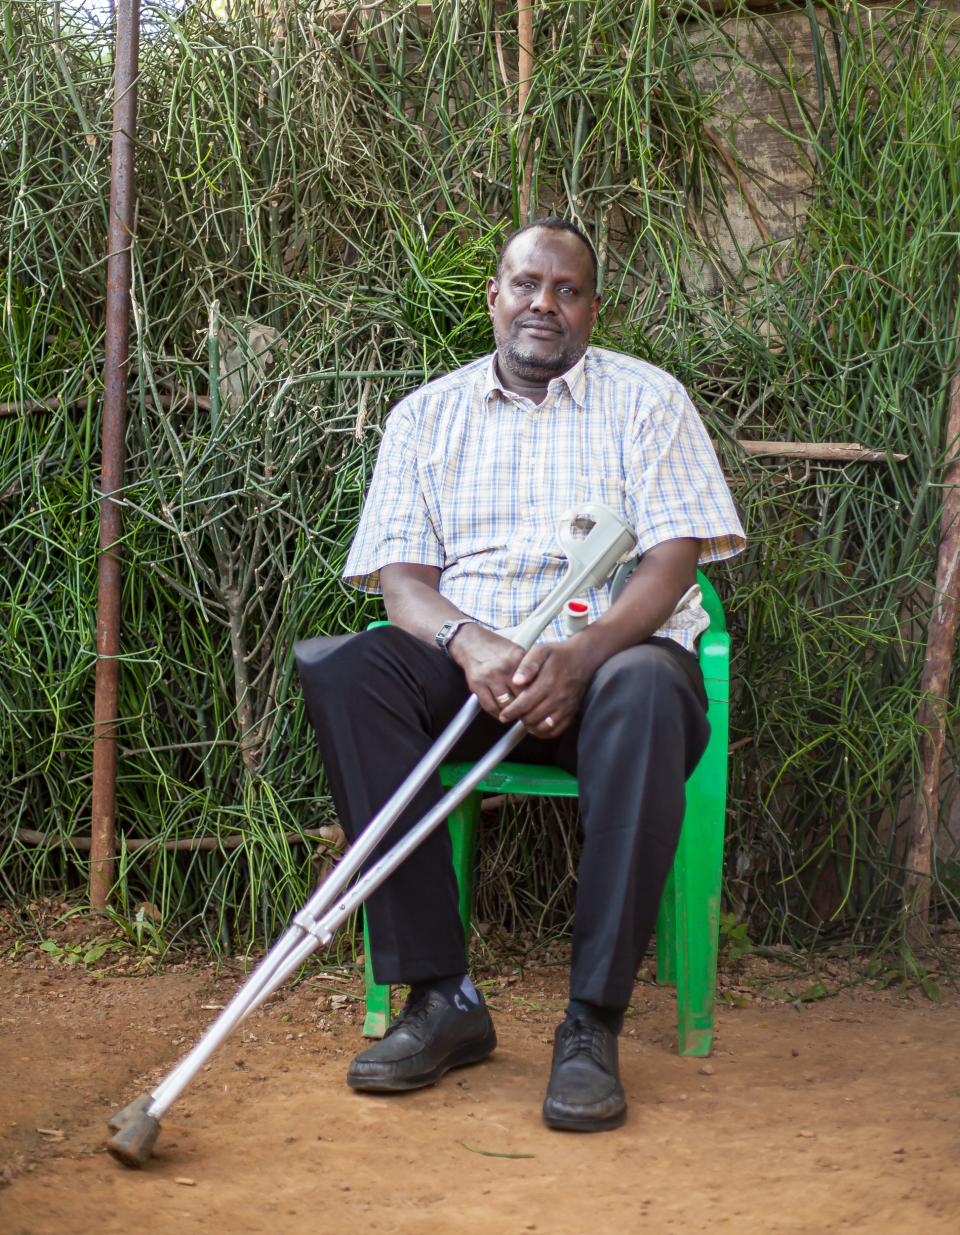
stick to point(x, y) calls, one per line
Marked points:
point(130, 1111)
point(133, 1144)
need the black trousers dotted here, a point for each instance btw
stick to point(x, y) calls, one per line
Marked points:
point(377, 701)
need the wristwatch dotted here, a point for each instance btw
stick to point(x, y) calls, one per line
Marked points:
point(446, 632)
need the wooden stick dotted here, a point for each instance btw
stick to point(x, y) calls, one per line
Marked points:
point(54, 404)
point(113, 428)
point(181, 392)
point(186, 843)
point(829, 452)
point(935, 679)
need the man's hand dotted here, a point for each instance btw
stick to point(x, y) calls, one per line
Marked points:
point(489, 662)
point(548, 686)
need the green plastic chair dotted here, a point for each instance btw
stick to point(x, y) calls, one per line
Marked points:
point(688, 920)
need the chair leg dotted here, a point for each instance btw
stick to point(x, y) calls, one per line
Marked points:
point(378, 996)
point(698, 867)
point(463, 822)
point(697, 873)
point(667, 934)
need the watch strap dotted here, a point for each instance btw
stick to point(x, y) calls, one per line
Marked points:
point(446, 632)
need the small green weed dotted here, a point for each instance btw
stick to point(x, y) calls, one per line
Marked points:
point(906, 972)
point(88, 953)
point(735, 943)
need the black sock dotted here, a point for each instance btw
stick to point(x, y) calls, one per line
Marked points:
point(457, 990)
point(610, 1018)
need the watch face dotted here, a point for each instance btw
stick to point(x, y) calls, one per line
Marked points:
point(447, 631)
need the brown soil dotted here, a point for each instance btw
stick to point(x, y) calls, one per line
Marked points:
point(841, 1114)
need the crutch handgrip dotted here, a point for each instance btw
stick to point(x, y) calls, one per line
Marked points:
point(590, 558)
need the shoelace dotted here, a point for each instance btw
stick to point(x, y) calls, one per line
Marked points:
point(579, 1037)
point(414, 1012)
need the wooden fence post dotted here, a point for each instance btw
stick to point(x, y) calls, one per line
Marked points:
point(935, 680)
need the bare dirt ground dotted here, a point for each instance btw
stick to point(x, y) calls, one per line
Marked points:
point(837, 1114)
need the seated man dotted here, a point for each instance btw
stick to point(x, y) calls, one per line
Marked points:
point(474, 472)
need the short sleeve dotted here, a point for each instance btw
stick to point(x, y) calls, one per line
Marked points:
point(674, 485)
point(395, 525)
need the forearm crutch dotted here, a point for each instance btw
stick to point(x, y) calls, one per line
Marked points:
point(590, 560)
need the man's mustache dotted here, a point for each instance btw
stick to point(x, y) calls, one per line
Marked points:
point(540, 324)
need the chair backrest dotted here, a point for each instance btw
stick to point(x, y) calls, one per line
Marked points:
point(711, 603)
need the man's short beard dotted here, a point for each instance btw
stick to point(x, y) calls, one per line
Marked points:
point(538, 368)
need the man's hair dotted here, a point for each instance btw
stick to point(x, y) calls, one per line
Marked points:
point(553, 224)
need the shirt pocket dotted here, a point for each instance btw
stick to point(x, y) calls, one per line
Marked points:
point(603, 490)
point(586, 491)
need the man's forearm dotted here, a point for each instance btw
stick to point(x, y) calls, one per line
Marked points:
point(421, 611)
point(413, 602)
point(650, 596)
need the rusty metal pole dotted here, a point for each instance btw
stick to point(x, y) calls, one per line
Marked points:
point(524, 77)
point(113, 432)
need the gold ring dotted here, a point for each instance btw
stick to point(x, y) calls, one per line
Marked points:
point(548, 722)
point(505, 698)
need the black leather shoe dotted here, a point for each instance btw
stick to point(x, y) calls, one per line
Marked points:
point(427, 1039)
point(584, 1093)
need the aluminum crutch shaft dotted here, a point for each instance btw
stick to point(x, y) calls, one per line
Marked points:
point(262, 978)
point(309, 933)
point(249, 997)
point(385, 817)
point(385, 866)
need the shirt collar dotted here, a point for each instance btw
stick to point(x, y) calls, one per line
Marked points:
point(574, 379)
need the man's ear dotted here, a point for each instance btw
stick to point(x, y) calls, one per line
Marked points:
point(594, 309)
point(493, 290)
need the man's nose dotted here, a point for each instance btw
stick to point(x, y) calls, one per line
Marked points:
point(544, 300)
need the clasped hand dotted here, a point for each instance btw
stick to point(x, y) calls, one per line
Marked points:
point(542, 687)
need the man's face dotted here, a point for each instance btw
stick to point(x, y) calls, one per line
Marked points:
point(543, 306)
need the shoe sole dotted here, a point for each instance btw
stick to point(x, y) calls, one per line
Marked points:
point(463, 1057)
point(585, 1123)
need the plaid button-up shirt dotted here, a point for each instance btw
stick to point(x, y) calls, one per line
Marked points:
point(474, 480)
